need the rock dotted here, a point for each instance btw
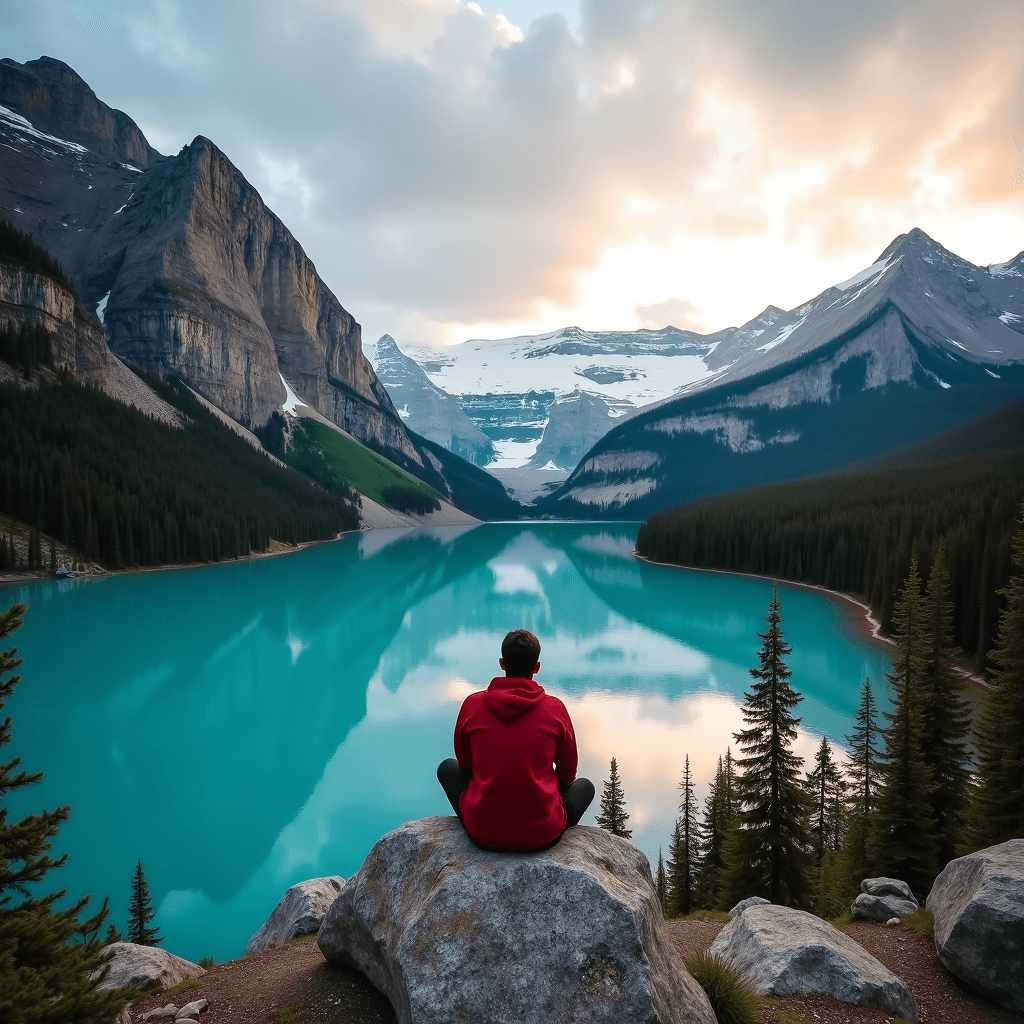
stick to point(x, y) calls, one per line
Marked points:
point(192, 1009)
point(300, 911)
point(781, 952)
point(750, 901)
point(136, 965)
point(978, 903)
point(892, 921)
point(880, 908)
point(165, 1011)
point(450, 932)
point(887, 887)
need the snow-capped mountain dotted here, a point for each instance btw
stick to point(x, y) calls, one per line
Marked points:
point(425, 408)
point(919, 341)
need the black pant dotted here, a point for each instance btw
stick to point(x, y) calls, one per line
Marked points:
point(576, 797)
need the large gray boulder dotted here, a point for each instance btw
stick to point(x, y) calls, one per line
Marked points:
point(750, 901)
point(300, 911)
point(888, 887)
point(880, 908)
point(978, 903)
point(450, 932)
point(782, 952)
point(138, 965)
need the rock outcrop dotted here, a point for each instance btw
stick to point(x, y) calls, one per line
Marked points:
point(133, 964)
point(750, 901)
point(888, 887)
point(300, 911)
point(880, 908)
point(978, 903)
point(781, 952)
point(575, 424)
point(450, 932)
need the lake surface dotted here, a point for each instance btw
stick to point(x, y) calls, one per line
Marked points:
point(241, 727)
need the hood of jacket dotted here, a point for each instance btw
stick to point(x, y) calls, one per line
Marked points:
point(510, 698)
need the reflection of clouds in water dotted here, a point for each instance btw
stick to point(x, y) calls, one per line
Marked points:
point(297, 645)
point(607, 544)
point(422, 689)
point(515, 579)
point(615, 576)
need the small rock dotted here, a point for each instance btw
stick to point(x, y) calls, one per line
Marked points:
point(978, 903)
point(165, 1011)
point(782, 952)
point(300, 911)
point(192, 1009)
point(892, 921)
point(450, 932)
point(133, 964)
point(750, 901)
point(887, 887)
point(880, 908)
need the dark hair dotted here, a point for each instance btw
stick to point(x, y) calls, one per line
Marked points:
point(520, 650)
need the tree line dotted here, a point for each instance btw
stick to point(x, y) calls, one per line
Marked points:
point(17, 247)
point(858, 533)
point(121, 488)
point(906, 797)
point(25, 346)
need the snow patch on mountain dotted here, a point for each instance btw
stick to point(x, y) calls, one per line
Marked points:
point(291, 400)
point(24, 126)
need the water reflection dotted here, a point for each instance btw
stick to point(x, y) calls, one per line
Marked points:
point(245, 726)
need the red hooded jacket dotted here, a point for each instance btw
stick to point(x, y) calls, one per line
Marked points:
point(510, 735)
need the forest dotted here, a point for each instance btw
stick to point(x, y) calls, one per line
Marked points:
point(857, 532)
point(123, 489)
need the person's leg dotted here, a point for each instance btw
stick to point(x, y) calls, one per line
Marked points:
point(454, 781)
point(577, 798)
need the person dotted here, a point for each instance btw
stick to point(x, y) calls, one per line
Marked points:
point(513, 780)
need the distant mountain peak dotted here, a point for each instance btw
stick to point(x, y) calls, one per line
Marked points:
point(915, 240)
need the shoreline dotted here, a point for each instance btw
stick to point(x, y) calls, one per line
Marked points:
point(863, 620)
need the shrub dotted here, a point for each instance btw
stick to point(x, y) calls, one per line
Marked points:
point(731, 1000)
point(840, 921)
point(921, 921)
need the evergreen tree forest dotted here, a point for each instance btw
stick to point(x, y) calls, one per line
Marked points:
point(857, 533)
point(17, 247)
point(27, 347)
point(904, 798)
point(123, 489)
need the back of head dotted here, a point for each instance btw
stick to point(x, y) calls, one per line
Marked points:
point(520, 650)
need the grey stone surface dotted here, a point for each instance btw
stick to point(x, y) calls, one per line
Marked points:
point(750, 901)
point(880, 908)
point(781, 952)
point(887, 887)
point(170, 1010)
point(136, 965)
point(192, 1009)
point(451, 933)
point(300, 911)
point(978, 903)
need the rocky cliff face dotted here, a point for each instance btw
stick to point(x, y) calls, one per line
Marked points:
point(28, 298)
point(193, 274)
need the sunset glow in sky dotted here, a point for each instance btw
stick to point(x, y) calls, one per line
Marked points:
point(486, 169)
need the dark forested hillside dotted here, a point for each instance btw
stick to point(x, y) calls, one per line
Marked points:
point(856, 531)
point(124, 489)
point(18, 247)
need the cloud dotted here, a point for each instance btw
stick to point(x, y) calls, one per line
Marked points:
point(448, 176)
point(672, 312)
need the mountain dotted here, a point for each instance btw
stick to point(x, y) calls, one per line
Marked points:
point(916, 343)
point(425, 408)
point(190, 272)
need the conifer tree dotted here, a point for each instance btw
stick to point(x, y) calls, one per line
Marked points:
point(140, 912)
point(714, 832)
point(674, 868)
point(684, 881)
point(998, 808)
point(903, 842)
point(865, 766)
point(613, 816)
point(823, 784)
point(945, 717)
point(45, 976)
point(661, 885)
point(768, 851)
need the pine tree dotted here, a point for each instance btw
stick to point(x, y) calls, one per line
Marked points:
point(902, 841)
point(613, 816)
point(998, 808)
point(685, 856)
point(822, 785)
point(45, 976)
point(767, 854)
point(140, 912)
point(865, 767)
point(945, 717)
point(714, 832)
point(661, 885)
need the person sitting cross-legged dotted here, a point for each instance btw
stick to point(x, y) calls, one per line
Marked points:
point(513, 780)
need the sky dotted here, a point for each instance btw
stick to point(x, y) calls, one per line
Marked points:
point(481, 170)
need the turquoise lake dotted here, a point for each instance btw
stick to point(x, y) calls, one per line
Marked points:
point(241, 727)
